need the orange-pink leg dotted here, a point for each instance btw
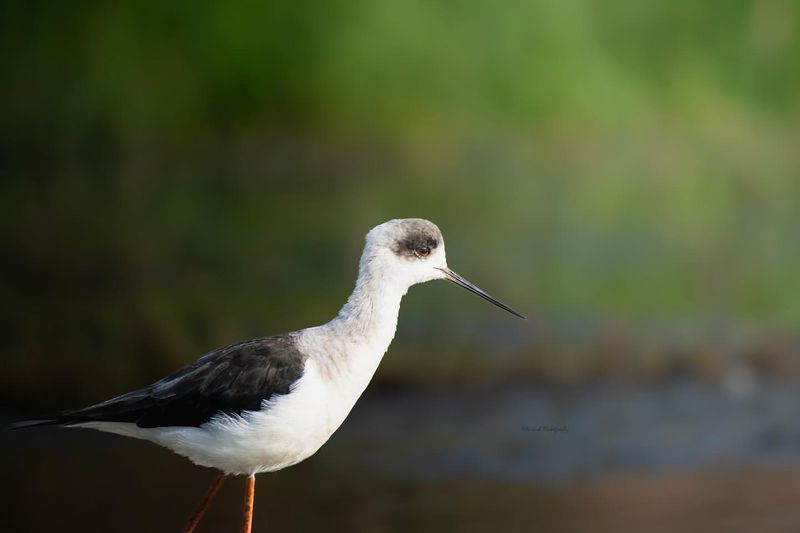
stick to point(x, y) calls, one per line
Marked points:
point(249, 497)
point(201, 509)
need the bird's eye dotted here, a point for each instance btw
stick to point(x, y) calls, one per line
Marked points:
point(422, 250)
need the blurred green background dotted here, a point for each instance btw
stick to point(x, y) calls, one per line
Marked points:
point(177, 176)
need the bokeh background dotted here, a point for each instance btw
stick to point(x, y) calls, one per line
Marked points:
point(177, 176)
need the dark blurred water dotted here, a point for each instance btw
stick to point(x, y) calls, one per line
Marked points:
point(568, 434)
point(513, 458)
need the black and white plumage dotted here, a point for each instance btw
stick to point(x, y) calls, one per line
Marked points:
point(265, 404)
point(228, 381)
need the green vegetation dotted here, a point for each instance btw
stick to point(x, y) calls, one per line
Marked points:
point(177, 176)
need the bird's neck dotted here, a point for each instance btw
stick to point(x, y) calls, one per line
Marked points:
point(370, 314)
point(346, 351)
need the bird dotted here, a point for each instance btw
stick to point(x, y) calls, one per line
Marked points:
point(265, 404)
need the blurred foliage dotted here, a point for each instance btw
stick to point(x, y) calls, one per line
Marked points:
point(178, 175)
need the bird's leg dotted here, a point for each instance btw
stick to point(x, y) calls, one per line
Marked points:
point(201, 509)
point(250, 493)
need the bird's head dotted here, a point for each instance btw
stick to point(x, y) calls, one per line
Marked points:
point(409, 251)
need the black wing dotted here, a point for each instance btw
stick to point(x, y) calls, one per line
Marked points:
point(229, 380)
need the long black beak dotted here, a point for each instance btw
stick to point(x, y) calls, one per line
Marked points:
point(458, 280)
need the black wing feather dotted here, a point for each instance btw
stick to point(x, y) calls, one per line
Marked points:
point(231, 380)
